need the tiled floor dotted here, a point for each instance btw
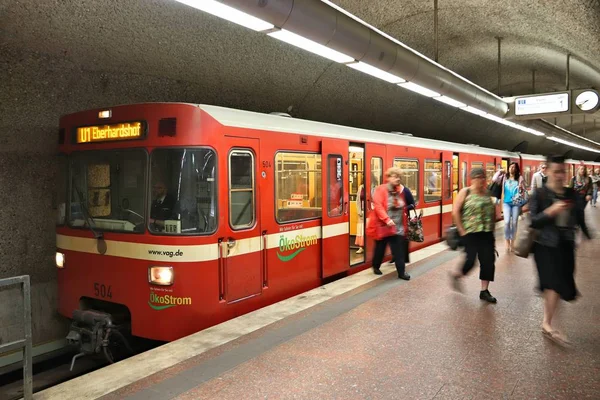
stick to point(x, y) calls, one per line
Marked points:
point(410, 340)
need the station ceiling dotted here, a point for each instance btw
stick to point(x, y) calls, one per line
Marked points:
point(161, 50)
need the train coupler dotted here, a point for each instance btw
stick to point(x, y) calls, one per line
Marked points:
point(93, 332)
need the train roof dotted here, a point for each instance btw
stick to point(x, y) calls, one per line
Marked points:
point(269, 122)
point(273, 122)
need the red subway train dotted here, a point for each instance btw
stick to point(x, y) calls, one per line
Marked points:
point(175, 217)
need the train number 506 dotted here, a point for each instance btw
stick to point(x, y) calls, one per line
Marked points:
point(101, 290)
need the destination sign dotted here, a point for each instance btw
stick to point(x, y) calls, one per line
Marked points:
point(108, 133)
point(544, 104)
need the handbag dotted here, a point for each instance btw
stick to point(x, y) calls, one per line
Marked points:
point(495, 190)
point(521, 198)
point(452, 237)
point(526, 235)
point(382, 231)
point(415, 227)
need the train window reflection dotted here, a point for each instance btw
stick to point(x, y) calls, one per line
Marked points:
point(61, 190)
point(410, 175)
point(335, 184)
point(183, 192)
point(448, 179)
point(108, 190)
point(241, 189)
point(376, 173)
point(490, 170)
point(433, 181)
point(527, 176)
point(297, 186)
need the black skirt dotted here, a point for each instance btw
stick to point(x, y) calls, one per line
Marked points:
point(556, 268)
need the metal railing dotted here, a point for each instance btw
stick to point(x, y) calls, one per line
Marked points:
point(25, 344)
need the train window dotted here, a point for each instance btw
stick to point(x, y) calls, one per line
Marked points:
point(335, 184)
point(108, 190)
point(477, 165)
point(376, 172)
point(569, 168)
point(241, 189)
point(410, 175)
point(448, 175)
point(464, 174)
point(183, 192)
point(527, 175)
point(297, 186)
point(490, 170)
point(60, 202)
point(433, 181)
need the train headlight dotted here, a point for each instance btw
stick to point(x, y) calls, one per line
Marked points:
point(60, 260)
point(163, 276)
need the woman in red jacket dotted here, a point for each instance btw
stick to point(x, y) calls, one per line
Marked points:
point(388, 222)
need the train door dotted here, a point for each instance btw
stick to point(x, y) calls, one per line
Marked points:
point(447, 192)
point(357, 202)
point(375, 160)
point(240, 251)
point(335, 238)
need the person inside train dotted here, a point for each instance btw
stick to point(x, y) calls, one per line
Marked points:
point(513, 188)
point(163, 204)
point(582, 183)
point(360, 211)
point(336, 197)
point(474, 215)
point(389, 220)
point(556, 211)
point(539, 178)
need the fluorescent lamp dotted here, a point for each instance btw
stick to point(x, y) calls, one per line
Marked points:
point(474, 110)
point(513, 125)
point(419, 89)
point(309, 45)
point(450, 101)
point(499, 120)
point(534, 132)
point(355, 149)
point(558, 140)
point(376, 72)
point(229, 13)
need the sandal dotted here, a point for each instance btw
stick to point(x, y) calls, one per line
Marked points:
point(556, 337)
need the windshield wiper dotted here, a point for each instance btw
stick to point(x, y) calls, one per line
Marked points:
point(86, 214)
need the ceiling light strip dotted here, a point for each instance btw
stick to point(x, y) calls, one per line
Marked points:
point(229, 13)
point(573, 134)
point(308, 45)
point(376, 72)
point(450, 101)
point(419, 89)
point(559, 140)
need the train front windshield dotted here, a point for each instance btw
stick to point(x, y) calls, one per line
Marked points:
point(109, 191)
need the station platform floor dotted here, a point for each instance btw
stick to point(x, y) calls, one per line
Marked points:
point(389, 339)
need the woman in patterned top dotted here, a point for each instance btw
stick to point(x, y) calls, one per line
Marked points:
point(474, 215)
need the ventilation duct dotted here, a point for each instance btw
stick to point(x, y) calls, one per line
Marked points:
point(323, 24)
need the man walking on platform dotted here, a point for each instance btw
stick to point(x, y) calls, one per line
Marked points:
point(539, 178)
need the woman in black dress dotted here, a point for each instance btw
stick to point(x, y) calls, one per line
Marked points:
point(556, 212)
